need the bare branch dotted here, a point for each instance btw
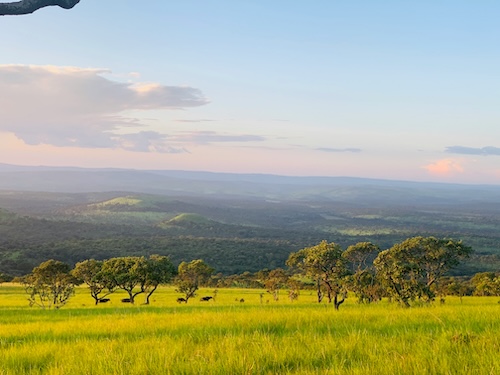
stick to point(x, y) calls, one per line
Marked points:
point(29, 6)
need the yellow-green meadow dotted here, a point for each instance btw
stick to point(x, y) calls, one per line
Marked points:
point(257, 336)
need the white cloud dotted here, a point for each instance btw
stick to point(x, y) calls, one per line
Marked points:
point(207, 137)
point(148, 141)
point(329, 149)
point(71, 106)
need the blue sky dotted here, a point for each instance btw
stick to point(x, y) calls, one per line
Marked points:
point(385, 89)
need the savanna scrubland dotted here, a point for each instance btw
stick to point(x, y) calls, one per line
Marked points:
point(240, 228)
point(236, 223)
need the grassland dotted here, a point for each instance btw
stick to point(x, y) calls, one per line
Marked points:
point(253, 337)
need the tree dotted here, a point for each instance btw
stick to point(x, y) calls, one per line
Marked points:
point(361, 255)
point(50, 284)
point(453, 286)
point(90, 272)
point(324, 264)
point(159, 270)
point(294, 287)
point(30, 6)
point(190, 276)
point(127, 273)
point(363, 281)
point(409, 270)
point(4, 277)
point(276, 279)
point(486, 284)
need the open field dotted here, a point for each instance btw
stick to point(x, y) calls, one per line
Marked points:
point(232, 337)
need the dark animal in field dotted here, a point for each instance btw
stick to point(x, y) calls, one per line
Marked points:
point(126, 300)
point(180, 300)
point(103, 300)
point(207, 298)
point(242, 300)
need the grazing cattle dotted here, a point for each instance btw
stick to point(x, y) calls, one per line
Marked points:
point(103, 300)
point(126, 300)
point(207, 298)
point(180, 300)
point(242, 300)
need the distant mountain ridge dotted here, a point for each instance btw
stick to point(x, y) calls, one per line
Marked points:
point(232, 185)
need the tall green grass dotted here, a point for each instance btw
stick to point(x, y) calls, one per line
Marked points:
point(230, 337)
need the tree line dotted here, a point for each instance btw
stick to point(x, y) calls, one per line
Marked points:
point(52, 283)
point(410, 271)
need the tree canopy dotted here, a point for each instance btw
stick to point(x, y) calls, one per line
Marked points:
point(90, 272)
point(50, 284)
point(410, 269)
point(126, 273)
point(158, 270)
point(191, 275)
point(325, 265)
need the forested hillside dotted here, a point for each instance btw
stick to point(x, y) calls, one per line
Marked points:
point(240, 232)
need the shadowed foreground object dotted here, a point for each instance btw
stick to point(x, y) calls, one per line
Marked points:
point(29, 6)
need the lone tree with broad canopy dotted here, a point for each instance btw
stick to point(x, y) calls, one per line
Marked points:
point(326, 266)
point(29, 6)
point(127, 273)
point(191, 276)
point(50, 285)
point(410, 270)
point(90, 272)
point(159, 270)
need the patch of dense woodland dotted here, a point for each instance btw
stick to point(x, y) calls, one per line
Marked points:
point(234, 236)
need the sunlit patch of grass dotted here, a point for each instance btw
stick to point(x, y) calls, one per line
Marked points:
point(189, 218)
point(119, 201)
point(364, 231)
point(130, 217)
point(368, 217)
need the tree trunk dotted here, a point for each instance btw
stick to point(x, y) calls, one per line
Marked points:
point(405, 302)
point(336, 301)
point(131, 296)
point(149, 295)
point(320, 295)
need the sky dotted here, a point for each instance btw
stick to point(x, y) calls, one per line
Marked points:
point(393, 90)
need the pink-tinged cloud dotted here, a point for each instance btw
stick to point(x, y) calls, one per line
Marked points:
point(444, 167)
point(80, 107)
